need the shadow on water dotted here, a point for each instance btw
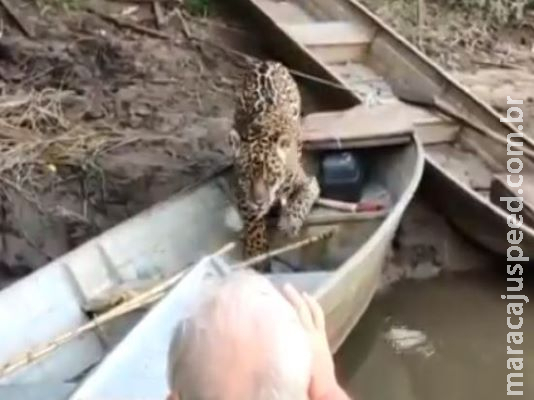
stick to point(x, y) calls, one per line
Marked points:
point(463, 357)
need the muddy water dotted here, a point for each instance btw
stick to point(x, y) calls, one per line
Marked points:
point(463, 356)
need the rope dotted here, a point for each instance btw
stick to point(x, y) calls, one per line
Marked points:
point(250, 59)
point(326, 82)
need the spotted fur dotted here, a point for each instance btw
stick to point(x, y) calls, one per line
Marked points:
point(267, 156)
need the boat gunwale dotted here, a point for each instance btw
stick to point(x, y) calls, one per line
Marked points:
point(484, 201)
point(388, 225)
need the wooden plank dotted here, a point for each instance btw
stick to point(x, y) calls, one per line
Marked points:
point(357, 122)
point(340, 53)
point(332, 144)
point(379, 124)
point(437, 131)
point(283, 11)
point(500, 188)
point(433, 127)
point(388, 61)
point(333, 41)
point(328, 33)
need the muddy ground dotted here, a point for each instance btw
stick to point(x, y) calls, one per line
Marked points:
point(100, 120)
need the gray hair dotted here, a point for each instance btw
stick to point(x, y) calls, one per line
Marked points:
point(242, 341)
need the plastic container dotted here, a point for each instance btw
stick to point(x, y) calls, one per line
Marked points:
point(341, 176)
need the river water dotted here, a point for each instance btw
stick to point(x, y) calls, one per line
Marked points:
point(460, 320)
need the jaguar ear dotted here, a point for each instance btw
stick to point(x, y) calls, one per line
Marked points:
point(234, 140)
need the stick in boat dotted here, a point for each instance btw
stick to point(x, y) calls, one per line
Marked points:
point(417, 97)
point(142, 300)
point(147, 297)
point(446, 108)
point(293, 246)
point(350, 207)
point(344, 217)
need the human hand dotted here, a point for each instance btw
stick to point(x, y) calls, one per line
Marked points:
point(323, 379)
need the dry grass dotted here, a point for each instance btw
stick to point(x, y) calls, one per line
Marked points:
point(39, 141)
point(36, 135)
point(497, 11)
point(452, 31)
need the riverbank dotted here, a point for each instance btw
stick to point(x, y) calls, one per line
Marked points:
point(105, 113)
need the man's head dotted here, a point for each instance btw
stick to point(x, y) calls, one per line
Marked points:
point(244, 341)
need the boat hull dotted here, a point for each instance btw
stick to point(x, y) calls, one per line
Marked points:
point(347, 294)
point(473, 215)
point(344, 294)
point(174, 234)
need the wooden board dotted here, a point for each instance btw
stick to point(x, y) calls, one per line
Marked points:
point(358, 143)
point(500, 188)
point(328, 33)
point(437, 131)
point(334, 41)
point(385, 124)
point(284, 11)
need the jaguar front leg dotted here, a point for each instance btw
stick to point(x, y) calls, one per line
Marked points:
point(298, 205)
point(255, 241)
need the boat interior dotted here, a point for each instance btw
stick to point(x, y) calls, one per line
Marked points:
point(390, 91)
point(157, 244)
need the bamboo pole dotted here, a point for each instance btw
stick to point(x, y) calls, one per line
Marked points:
point(368, 205)
point(293, 246)
point(147, 297)
point(344, 218)
point(142, 300)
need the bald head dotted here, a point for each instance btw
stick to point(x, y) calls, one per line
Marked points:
point(243, 341)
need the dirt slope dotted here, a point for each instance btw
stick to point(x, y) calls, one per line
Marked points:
point(99, 121)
